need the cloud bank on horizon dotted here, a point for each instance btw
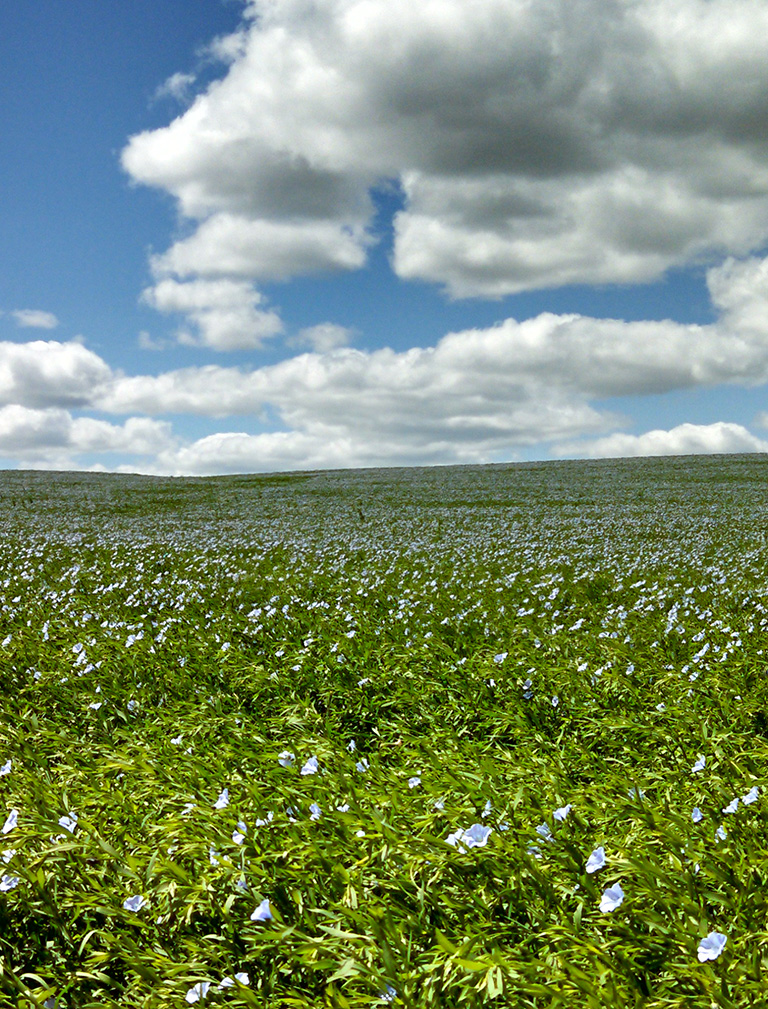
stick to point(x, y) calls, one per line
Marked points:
point(468, 399)
point(535, 145)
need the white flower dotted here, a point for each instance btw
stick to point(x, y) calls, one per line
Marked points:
point(310, 767)
point(696, 815)
point(414, 782)
point(68, 822)
point(544, 831)
point(134, 903)
point(213, 856)
point(711, 947)
point(389, 995)
point(315, 811)
point(286, 759)
point(95, 705)
point(351, 746)
point(223, 800)
point(596, 860)
point(720, 833)
point(751, 795)
point(498, 659)
point(612, 898)
point(555, 701)
point(10, 823)
point(661, 707)
point(361, 766)
point(700, 764)
point(561, 813)
point(229, 982)
point(8, 883)
point(238, 836)
point(475, 837)
point(176, 740)
point(8, 854)
point(732, 806)
point(262, 912)
point(199, 991)
point(6, 768)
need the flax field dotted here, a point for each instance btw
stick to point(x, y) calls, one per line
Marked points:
point(450, 737)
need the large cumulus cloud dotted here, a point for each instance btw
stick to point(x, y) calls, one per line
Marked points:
point(536, 143)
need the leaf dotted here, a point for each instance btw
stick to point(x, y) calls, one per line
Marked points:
point(473, 965)
point(494, 982)
point(443, 942)
point(348, 968)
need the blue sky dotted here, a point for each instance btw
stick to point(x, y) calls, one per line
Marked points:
point(247, 236)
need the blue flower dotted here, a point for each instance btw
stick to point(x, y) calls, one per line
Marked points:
point(612, 898)
point(712, 946)
point(262, 912)
point(596, 860)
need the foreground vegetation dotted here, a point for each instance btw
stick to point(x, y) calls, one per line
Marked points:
point(421, 737)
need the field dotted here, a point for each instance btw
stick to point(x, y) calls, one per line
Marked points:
point(427, 738)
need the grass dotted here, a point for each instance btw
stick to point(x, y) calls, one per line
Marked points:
point(465, 652)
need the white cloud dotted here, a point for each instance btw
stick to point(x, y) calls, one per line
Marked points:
point(24, 431)
point(478, 395)
point(53, 435)
point(234, 452)
point(685, 439)
point(481, 377)
point(485, 388)
point(229, 245)
point(324, 337)
point(177, 86)
point(137, 436)
point(319, 448)
point(146, 341)
point(537, 144)
point(739, 289)
point(34, 318)
point(45, 373)
point(225, 314)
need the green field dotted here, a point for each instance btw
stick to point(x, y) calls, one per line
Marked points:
point(351, 739)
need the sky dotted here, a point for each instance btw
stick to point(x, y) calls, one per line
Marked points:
point(257, 235)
